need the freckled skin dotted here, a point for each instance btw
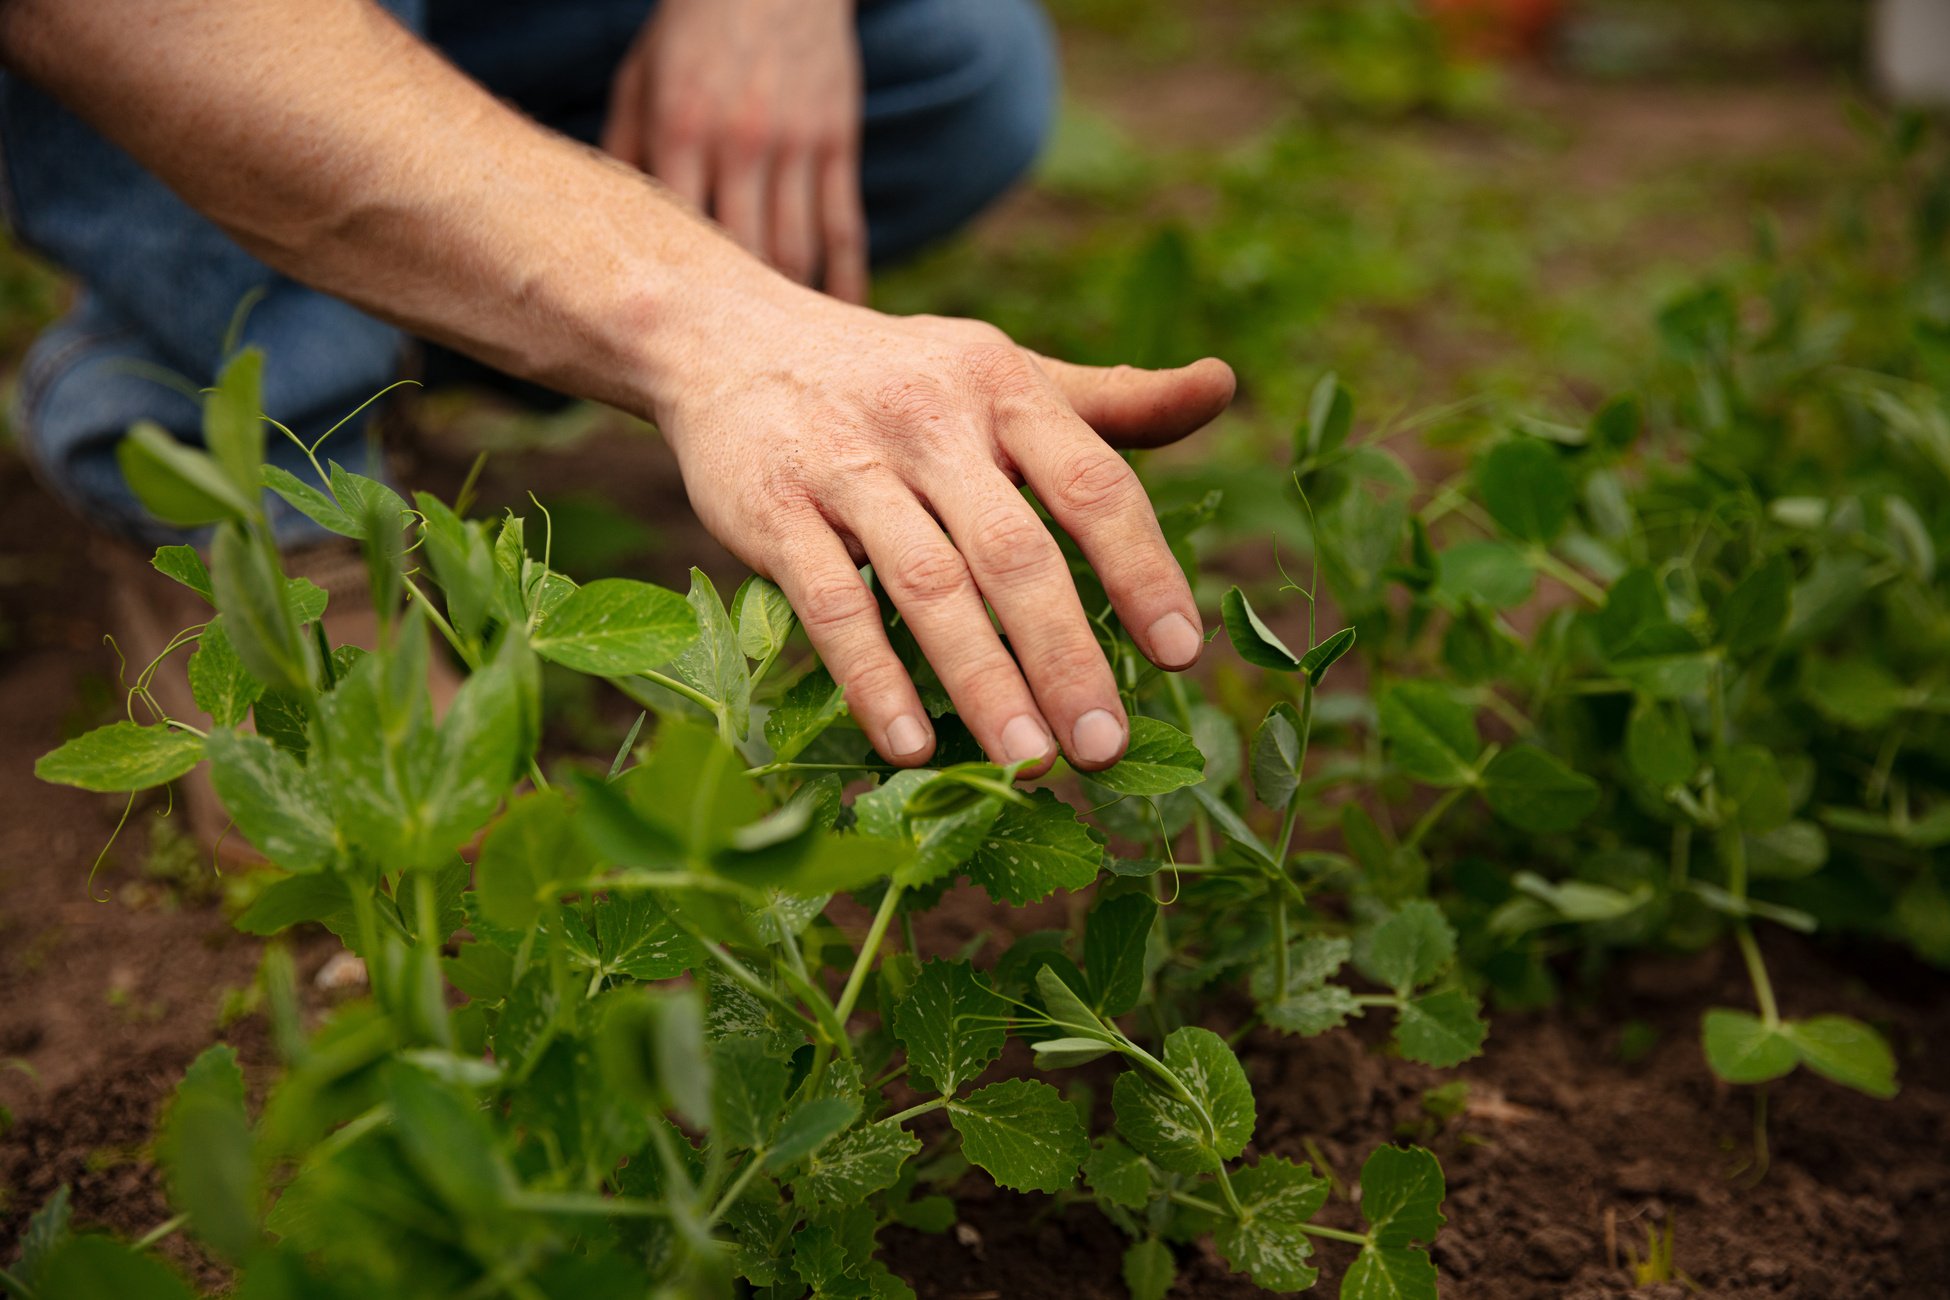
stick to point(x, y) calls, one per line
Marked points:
point(813, 433)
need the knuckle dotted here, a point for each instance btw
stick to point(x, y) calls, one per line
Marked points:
point(831, 601)
point(1090, 482)
point(1072, 663)
point(873, 677)
point(907, 402)
point(998, 368)
point(929, 573)
point(1013, 543)
point(992, 680)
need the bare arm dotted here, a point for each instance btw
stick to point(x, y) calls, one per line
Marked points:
point(812, 433)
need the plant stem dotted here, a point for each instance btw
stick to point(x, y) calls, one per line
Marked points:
point(158, 1232)
point(1770, 1013)
point(14, 1286)
point(1427, 821)
point(1550, 565)
point(1334, 1234)
point(733, 1192)
point(628, 686)
point(869, 949)
point(1201, 823)
point(922, 1109)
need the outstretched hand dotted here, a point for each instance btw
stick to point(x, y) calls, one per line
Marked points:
point(751, 112)
point(829, 435)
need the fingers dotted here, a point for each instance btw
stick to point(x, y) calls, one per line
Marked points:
point(741, 195)
point(1143, 408)
point(795, 228)
point(843, 226)
point(931, 586)
point(842, 619)
point(1016, 564)
point(1095, 496)
point(623, 133)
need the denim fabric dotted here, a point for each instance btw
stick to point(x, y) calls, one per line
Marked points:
point(959, 97)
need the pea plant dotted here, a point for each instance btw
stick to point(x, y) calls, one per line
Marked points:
point(621, 1039)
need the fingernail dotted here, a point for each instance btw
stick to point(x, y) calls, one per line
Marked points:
point(1024, 740)
point(906, 736)
point(1175, 643)
point(1098, 737)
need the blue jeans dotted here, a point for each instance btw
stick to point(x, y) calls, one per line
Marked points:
point(959, 98)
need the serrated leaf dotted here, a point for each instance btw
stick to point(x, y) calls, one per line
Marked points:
point(1408, 948)
point(1527, 490)
point(1032, 850)
point(854, 1167)
point(1442, 1029)
point(1845, 1050)
point(1118, 1174)
point(1390, 1273)
point(809, 1127)
point(763, 616)
point(809, 706)
point(1315, 663)
point(1159, 759)
point(1401, 1195)
point(121, 757)
point(952, 1024)
point(1430, 734)
point(1254, 642)
point(1742, 1048)
point(1314, 1011)
point(1267, 1240)
point(1114, 941)
point(1023, 1133)
point(1172, 1130)
point(1534, 791)
point(636, 937)
point(615, 627)
point(750, 1091)
point(277, 802)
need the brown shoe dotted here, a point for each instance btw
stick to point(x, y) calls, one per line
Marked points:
point(150, 613)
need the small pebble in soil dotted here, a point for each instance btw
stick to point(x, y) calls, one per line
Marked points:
point(342, 970)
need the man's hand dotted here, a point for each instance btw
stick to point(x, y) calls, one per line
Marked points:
point(823, 435)
point(750, 109)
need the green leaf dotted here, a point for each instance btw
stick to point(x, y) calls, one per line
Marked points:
point(1160, 759)
point(615, 627)
point(952, 1024)
point(1408, 948)
point(1756, 611)
point(277, 803)
point(1172, 1130)
point(1023, 1133)
point(1659, 744)
point(1859, 693)
point(1442, 1029)
point(809, 1127)
point(847, 1171)
point(1149, 1270)
point(1534, 791)
point(311, 502)
point(1527, 490)
point(365, 498)
point(1276, 756)
point(1390, 1273)
point(1753, 792)
point(809, 706)
point(233, 421)
point(219, 682)
point(177, 484)
point(1430, 733)
point(636, 937)
point(320, 897)
point(205, 1149)
point(183, 564)
point(258, 614)
point(1845, 1050)
point(1267, 1239)
point(95, 1268)
point(750, 1092)
point(1616, 424)
point(1255, 642)
point(532, 846)
point(1118, 1174)
point(1401, 1195)
point(1114, 942)
point(1313, 1011)
point(1330, 416)
point(48, 1229)
point(1318, 660)
point(1034, 849)
point(764, 618)
point(1485, 572)
point(463, 564)
point(1742, 1048)
point(1310, 1005)
point(714, 663)
point(120, 757)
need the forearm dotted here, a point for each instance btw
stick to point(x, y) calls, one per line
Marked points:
point(342, 151)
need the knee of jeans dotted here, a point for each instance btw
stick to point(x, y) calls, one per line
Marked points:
point(940, 153)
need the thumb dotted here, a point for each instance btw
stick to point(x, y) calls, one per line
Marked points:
point(1129, 407)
